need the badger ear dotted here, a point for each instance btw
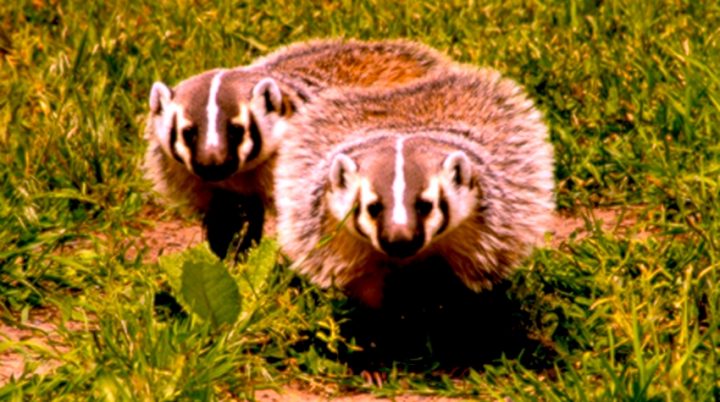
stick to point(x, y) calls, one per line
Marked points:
point(160, 96)
point(458, 169)
point(342, 171)
point(267, 93)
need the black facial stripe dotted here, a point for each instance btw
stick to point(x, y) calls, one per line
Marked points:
point(419, 235)
point(256, 138)
point(190, 136)
point(445, 209)
point(173, 139)
point(235, 135)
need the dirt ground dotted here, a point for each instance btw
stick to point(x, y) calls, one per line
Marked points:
point(292, 394)
point(38, 332)
point(167, 237)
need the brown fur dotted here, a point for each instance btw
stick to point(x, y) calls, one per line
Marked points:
point(467, 109)
point(302, 71)
point(354, 63)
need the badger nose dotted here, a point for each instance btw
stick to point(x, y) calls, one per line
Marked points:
point(401, 249)
point(215, 172)
point(401, 242)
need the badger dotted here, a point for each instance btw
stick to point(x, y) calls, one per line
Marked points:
point(213, 138)
point(456, 166)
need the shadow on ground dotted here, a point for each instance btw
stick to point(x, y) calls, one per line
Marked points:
point(430, 320)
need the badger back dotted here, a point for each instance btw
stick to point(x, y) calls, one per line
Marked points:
point(476, 104)
point(333, 63)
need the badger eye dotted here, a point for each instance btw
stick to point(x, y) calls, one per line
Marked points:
point(423, 207)
point(235, 133)
point(374, 209)
point(190, 134)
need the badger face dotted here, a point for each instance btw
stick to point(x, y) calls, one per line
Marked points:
point(402, 194)
point(217, 123)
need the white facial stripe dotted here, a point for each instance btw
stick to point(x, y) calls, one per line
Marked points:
point(181, 148)
point(278, 132)
point(461, 200)
point(244, 115)
point(399, 213)
point(435, 219)
point(163, 125)
point(364, 221)
point(342, 200)
point(181, 119)
point(246, 145)
point(213, 138)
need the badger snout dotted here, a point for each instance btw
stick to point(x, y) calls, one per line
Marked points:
point(401, 241)
point(215, 171)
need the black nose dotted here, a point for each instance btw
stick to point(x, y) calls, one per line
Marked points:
point(213, 172)
point(401, 248)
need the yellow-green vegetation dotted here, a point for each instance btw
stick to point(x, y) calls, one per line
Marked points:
point(631, 92)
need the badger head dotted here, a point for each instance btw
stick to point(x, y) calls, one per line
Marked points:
point(219, 122)
point(401, 193)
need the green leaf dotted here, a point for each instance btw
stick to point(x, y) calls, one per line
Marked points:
point(209, 290)
point(203, 285)
point(172, 265)
point(255, 270)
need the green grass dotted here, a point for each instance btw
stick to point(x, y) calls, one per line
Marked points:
point(630, 90)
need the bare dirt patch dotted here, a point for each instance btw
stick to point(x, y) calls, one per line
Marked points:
point(168, 237)
point(32, 346)
point(171, 236)
point(294, 394)
point(618, 221)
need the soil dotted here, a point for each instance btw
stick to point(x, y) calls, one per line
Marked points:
point(293, 394)
point(171, 236)
point(39, 331)
point(612, 220)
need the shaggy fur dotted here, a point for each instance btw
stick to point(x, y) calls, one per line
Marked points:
point(301, 71)
point(475, 111)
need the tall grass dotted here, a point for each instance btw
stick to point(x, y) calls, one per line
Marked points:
point(630, 90)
